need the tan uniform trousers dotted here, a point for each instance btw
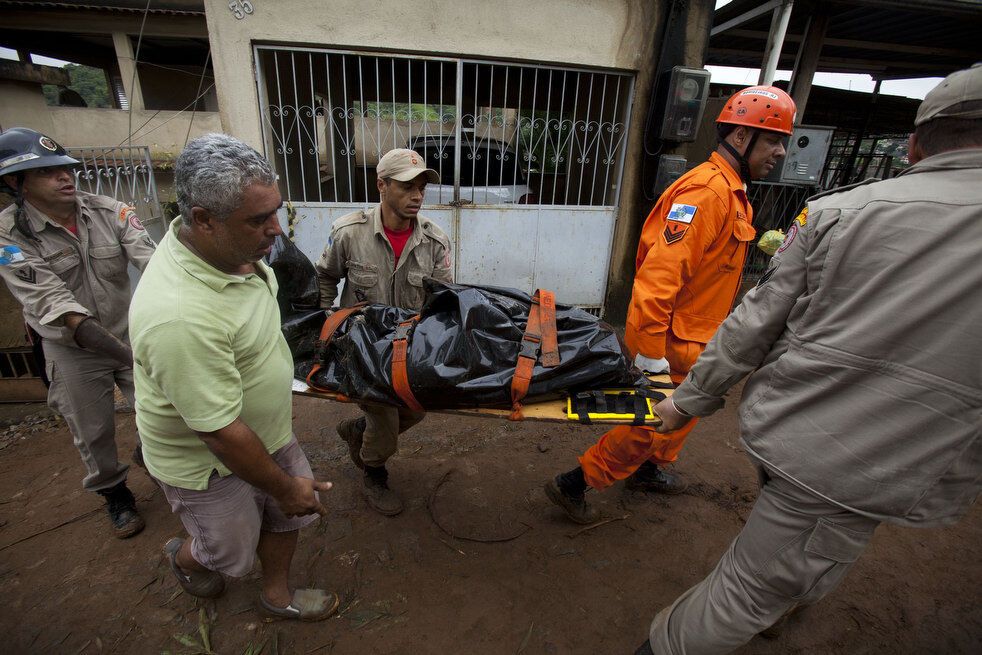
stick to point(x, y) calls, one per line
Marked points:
point(82, 385)
point(794, 549)
point(383, 425)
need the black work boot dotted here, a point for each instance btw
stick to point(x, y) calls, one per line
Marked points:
point(567, 491)
point(351, 432)
point(382, 499)
point(121, 506)
point(652, 479)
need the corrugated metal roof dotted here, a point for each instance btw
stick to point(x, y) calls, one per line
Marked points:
point(883, 38)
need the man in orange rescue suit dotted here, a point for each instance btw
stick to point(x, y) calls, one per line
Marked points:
point(687, 274)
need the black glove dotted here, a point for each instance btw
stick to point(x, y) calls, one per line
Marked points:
point(92, 336)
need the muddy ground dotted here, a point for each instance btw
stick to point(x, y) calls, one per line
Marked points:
point(408, 587)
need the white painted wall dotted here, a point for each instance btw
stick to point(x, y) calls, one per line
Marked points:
point(164, 132)
point(22, 105)
point(602, 33)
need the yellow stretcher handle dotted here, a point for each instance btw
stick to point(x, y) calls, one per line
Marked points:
point(573, 414)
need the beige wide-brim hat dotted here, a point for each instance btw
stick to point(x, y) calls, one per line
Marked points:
point(404, 165)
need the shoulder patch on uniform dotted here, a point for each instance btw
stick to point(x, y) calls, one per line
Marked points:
point(10, 254)
point(766, 276)
point(681, 213)
point(135, 222)
point(802, 218)
point(789, 237)
point(124, 212)
point(674, 231)
point(27, 274)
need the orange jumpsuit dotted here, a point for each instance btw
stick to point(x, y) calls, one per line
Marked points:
point(687, 274)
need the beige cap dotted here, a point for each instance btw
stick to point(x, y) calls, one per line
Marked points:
point(960, 86)
point(404, 165)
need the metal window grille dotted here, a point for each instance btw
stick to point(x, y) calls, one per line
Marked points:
point(881, 157)
point(775, 207)
point(496, 133)
point(124, 173)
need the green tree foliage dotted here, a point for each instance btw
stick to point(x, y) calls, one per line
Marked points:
point(89, 82)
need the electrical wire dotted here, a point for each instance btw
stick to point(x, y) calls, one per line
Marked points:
point(171, 68)
point(136, 61)
point(178, 113)
point(201, 80)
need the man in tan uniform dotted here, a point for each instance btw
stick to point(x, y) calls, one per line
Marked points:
point(64, 256)
point(383, 256)
point(864, 399)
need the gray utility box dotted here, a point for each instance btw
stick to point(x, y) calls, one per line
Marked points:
point(807, 149)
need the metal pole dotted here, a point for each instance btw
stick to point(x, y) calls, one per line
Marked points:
point(851, 167)
point(807, 61)
point(775, 40)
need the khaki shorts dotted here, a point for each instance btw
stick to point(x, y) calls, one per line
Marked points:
point(225, 520)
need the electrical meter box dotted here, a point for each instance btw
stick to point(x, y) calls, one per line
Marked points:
point(670, 168)
point(807, 149)
point(688, 89)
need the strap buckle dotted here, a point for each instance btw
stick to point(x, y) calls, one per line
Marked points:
point(403, 330)
point(530, 347)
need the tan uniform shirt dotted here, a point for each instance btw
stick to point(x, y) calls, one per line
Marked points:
point(865, 344)
point(358, 252)
point(60, 273)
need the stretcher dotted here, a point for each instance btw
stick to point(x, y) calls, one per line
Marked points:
point(558, 410)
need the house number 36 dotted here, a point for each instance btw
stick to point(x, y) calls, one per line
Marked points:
point(240, 8)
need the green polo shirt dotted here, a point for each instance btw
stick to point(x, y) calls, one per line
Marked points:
point(208, 349)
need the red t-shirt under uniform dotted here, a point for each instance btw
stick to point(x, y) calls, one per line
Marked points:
point(398, 239)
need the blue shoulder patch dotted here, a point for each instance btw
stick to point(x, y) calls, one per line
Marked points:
point(10, 254)
point(682, 213)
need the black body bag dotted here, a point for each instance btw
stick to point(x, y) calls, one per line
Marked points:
point(461, 351)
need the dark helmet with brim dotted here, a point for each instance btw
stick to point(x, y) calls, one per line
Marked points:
point(23, 149)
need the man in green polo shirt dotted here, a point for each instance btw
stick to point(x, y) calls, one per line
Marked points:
point(213, 376)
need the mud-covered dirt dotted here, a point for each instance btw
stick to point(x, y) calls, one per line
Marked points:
point(409, 587)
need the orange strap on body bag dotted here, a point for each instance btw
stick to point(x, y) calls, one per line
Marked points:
point(400, 372)
point(540, 341)
point(330, 326)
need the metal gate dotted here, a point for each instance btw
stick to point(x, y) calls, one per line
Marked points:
point(530, 157)
point(124, 173)
point(775, 207)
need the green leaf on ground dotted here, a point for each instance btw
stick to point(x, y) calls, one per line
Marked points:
point(204, 629)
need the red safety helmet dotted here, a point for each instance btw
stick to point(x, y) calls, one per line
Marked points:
point(760, 107)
